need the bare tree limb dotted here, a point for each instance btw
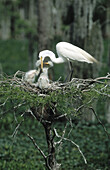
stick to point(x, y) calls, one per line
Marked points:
point(41, 152)
point(100, 122)
point(16, 129)
point(66, 139)
point(60, 141)
point(4, 102)
point(35, 144)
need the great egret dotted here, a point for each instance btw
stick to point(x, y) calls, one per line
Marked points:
point(43, 81)
point(66, 52)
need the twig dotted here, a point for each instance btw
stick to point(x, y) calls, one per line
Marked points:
point(30, 111)
point(59, 117)
point(19, 105)
point(82, 106)
point(60, 141)
point(100, 122)
point(102, 93)
point(4, 102)
point(66, 139)
point(70, 120)
point(16, 129)
point(35, 144)
point(41, 152)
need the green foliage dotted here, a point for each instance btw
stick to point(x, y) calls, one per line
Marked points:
point(13, 56)
point(10, 9)
point(66, 100)
point(16, 98)
point(105, 67)
point(20, 153)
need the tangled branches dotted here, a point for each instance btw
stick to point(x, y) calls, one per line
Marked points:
point(82, 84)
point(60, 100)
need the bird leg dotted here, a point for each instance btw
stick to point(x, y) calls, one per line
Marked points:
point(70, 74)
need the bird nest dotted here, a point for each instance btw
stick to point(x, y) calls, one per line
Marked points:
point(83, 85)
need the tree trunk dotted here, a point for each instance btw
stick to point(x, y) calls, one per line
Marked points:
point(22, 17)
point(44, 24)
point(31, 10)
point(5, 28)
point(107, 24)
point(51, 147)
point(45, 116)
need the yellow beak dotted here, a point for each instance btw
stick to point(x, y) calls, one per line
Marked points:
point(46, 63)
point(41, 63)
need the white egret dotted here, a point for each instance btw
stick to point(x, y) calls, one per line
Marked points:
point(30, 76)
point(43, 81)
point(42, 75)
point(66, 52)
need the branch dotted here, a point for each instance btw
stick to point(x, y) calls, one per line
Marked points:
point(59, 117)
point(100, 122)
point(16, 129)
point(36, 146)
point(30, 111)
point(84, 105)
point(41, 152)
point(66, 139)
point(4, 102)
point(102, 93)
point(60, 141)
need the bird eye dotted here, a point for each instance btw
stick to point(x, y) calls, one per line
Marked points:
point(46, 59)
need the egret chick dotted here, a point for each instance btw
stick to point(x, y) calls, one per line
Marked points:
point(43, 81)
point(30, 76)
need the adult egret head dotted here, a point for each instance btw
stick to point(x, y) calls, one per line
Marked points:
point(46, 64)
point(67, 52)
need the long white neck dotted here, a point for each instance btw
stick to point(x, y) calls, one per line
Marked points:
point(48, 53)
point(56, 60)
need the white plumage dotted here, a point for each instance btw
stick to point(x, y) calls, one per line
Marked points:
point(67, 51)
point(31, 75)
point(43, 81)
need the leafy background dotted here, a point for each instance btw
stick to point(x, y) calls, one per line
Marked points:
point(18, 152)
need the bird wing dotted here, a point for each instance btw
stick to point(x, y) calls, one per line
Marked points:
point(71, 52)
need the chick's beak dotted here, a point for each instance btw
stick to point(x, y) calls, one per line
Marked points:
point(46, 63)
point(41, 63)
